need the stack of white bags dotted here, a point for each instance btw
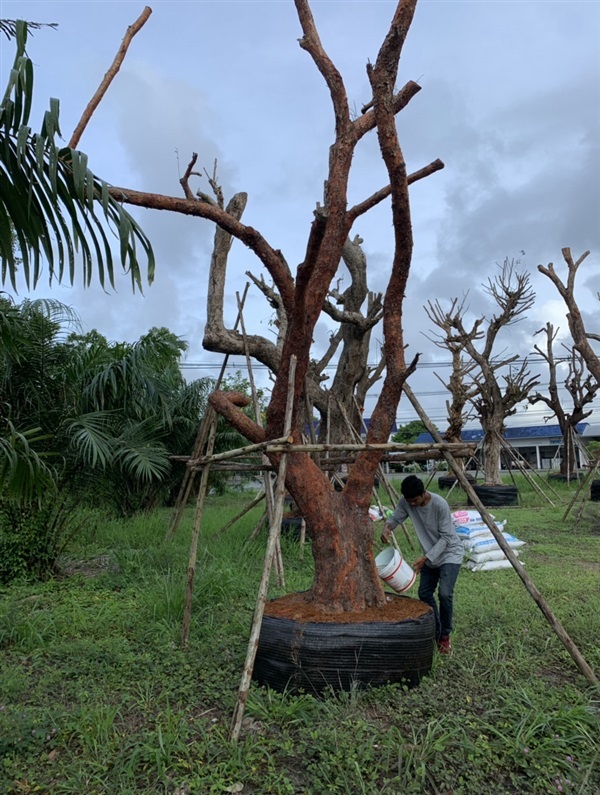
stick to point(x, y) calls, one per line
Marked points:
point(482, 551)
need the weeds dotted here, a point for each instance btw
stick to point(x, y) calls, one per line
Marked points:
point(97, 697)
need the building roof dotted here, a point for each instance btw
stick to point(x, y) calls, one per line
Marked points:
point(516, 432)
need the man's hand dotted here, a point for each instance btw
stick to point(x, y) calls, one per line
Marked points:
point(419, 563)
point(386, 533)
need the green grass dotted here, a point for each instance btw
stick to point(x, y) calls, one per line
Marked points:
point(97, 697)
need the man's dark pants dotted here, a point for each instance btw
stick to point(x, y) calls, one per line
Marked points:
point(445, 577)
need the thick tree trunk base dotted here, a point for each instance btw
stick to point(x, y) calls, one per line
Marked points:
point(301, 648)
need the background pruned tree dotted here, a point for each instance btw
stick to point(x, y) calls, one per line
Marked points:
point(498, 386)
point(582, 338)
point(581, 386)
point(461, 391)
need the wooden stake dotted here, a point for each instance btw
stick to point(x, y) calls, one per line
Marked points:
point(191, 572)
point(268, 485)
point(523, 470)
point(584, 481)
point(259, 498)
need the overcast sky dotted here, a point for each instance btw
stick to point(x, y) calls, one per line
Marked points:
point(510, 102)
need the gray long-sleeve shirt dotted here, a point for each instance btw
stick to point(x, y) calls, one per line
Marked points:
point(434, 528)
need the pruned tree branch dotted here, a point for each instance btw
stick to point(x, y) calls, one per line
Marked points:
point(579, 334)
point(383, 193)
point(108, 77)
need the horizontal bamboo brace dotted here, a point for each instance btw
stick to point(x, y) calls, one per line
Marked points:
point(277, 447)
point(406, 452)
point(239, 451)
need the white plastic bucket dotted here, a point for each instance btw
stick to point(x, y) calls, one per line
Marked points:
point(394, 570)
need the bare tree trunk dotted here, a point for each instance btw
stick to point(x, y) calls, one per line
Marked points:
point(493, 428)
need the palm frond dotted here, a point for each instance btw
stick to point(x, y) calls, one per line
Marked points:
point(59, 211)
point(24, 475)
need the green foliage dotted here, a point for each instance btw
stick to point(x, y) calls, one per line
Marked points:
point(594, 449)
point(406, 434)
point(97, 696)
point(31, 538)
point(82, 419)
point(50, 201)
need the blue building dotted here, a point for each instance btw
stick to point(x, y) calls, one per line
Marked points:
point(540, 445)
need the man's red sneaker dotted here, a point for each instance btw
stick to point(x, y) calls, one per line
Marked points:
point(444, 645)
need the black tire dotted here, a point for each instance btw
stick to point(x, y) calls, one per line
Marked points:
point(312, 657)
point(492, 496)
point(447, 481)
point(558, 478)
point(292, 527)
point(595, 491)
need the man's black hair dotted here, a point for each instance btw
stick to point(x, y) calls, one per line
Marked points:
point(412, 487)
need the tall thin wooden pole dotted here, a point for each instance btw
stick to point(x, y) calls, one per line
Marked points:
point(190, 475)
point(582, 484)
point(274, 530)
point(563, 635)
point(523, 470)
point(268, 485)
point(191, 571)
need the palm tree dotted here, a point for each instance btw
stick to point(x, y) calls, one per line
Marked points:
point(83, 420)
point(51, 204)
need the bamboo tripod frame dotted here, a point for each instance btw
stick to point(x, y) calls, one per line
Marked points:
point(275, 501)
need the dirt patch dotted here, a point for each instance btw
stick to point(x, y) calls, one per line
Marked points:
point(92, 567)
point(296, 606)
point(565, 561)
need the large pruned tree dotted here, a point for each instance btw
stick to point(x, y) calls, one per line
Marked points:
point(345, 574)
point(582, 338)
point(581, 386)
point(498, 385)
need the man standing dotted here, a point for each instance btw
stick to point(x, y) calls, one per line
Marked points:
point(443, 551)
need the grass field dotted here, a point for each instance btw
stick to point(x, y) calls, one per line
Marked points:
point(98, 698)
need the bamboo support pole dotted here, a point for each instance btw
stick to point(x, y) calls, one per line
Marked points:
point(191, 571)
point(273, 446)
point(268, 485)
point(534, 592)
point(257, 528)
point(523, 470)
point(188, 479)
point(280, 446)
point(581, 486)
point(259, 498)
point(274, 530)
